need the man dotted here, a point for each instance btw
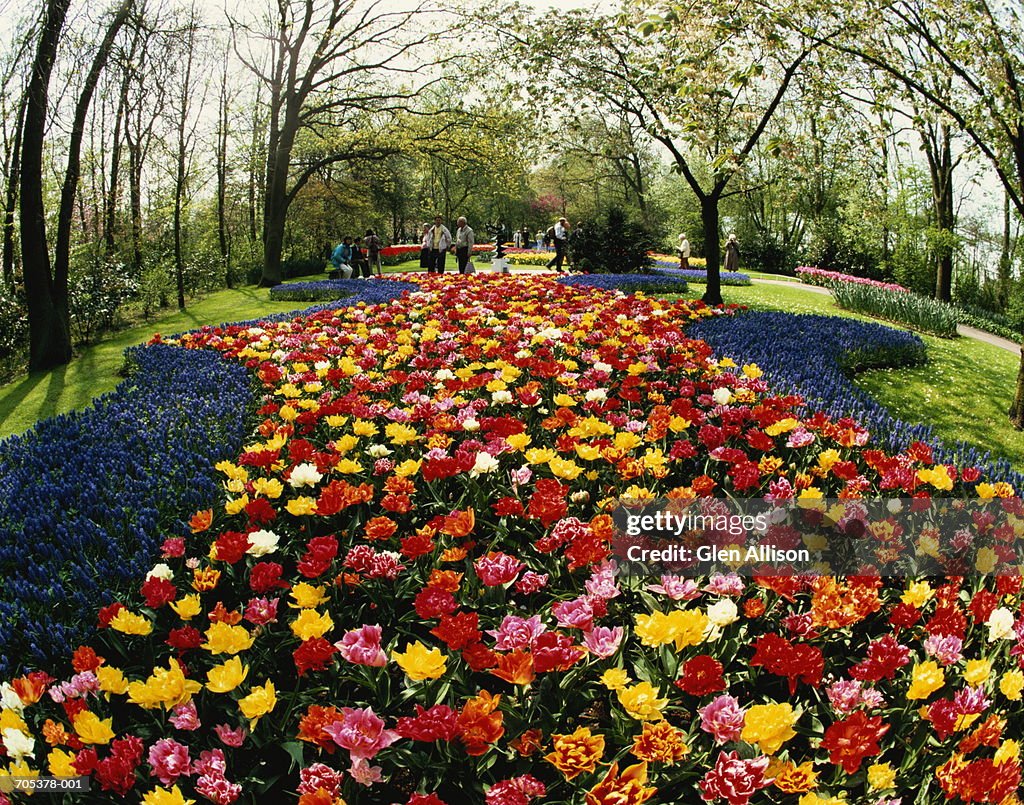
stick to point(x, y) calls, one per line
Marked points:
point(684, 252)
point(440, 240)
point(372, 244)
point(561, 241)
point(463, 244)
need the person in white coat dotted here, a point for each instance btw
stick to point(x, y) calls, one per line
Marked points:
point(684, 251)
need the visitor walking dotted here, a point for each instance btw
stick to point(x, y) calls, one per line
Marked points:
point(463, 244)
point(440, 240)
point(684, 252)
point(732, 253)
point(372, 245)
point(560, 236)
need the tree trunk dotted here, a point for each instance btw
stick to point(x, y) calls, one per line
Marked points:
point(1017, 407)
point(11, 201)
point(49, 331)
point(222, 175)
point(62, 248)
point(712, 250)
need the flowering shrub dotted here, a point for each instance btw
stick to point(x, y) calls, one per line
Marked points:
point(406, 593)
point(818, 276)
point(814, 356)
point(85, 494)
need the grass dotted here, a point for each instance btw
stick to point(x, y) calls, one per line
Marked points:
point(964, 390)
point(94, 371)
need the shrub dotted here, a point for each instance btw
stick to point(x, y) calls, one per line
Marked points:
point(919, 312)
point(615, 245)
point(96, 295)
point(817, 276)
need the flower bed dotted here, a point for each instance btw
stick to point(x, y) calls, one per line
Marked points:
point(911, 309)
point(672, 261)
point(818, 276)
point(87, 494)
point(629, 283)
point(406, 594)
point(814, 356)
point(698, 275)
point(402, 252)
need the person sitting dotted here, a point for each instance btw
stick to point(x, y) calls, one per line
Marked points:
point(360, 265)
point(341, 259)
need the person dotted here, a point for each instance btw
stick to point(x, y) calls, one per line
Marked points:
point(360, 265)
point(561, 239)
point(341, 258)
point(372, 244)
point(539, 239)
point(684, 252)
point(440, 240)
point(527, 240)
point(577, 245)
point(463, 244)
point(732, 254)
point(425, 248)
point(517, 239)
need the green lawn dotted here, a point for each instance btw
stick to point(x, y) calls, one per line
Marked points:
point(94, 370)
point(964, 390)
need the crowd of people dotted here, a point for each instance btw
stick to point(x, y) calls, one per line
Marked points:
point(355, 257)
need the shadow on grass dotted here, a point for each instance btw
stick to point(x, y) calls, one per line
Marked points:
point(19, 392)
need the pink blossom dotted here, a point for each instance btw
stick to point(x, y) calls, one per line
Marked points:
point(521, 477)
point(722, 718)
point(319, 776)
point(844, 695)
point(946, 649)
point(872, 699)
point(382, 466)
point(721, 584)
point(517, 633)
point(261, 611)
point(531, 582)
point(603, 641)
point(733, 779)
point(185, 717)
point(601, 583)
point(363, 773)
point(676, 587)
point(386, 565)
point(575, 614)
point(231, 736)
point(211, 764)
point(173, 548)
point(515, 791)
point(362, 646)
point(497, 568)
point(218, 790)
point(361, 732)
point(169, 760)
point(800, 437)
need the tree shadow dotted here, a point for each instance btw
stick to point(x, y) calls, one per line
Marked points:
point(18, 393)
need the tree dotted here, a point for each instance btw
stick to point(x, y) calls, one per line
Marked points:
point(46, 285)
point(976, 52)
point(330, 61)
point(703, 81)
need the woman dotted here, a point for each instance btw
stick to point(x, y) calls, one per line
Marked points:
point(732, 254)
point(425, 248)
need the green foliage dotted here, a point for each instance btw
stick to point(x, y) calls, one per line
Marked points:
point(919, 312)
point(298, 267)
point(615, 245)
point(97, 293)
point(156, 288)
point(13, 330)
